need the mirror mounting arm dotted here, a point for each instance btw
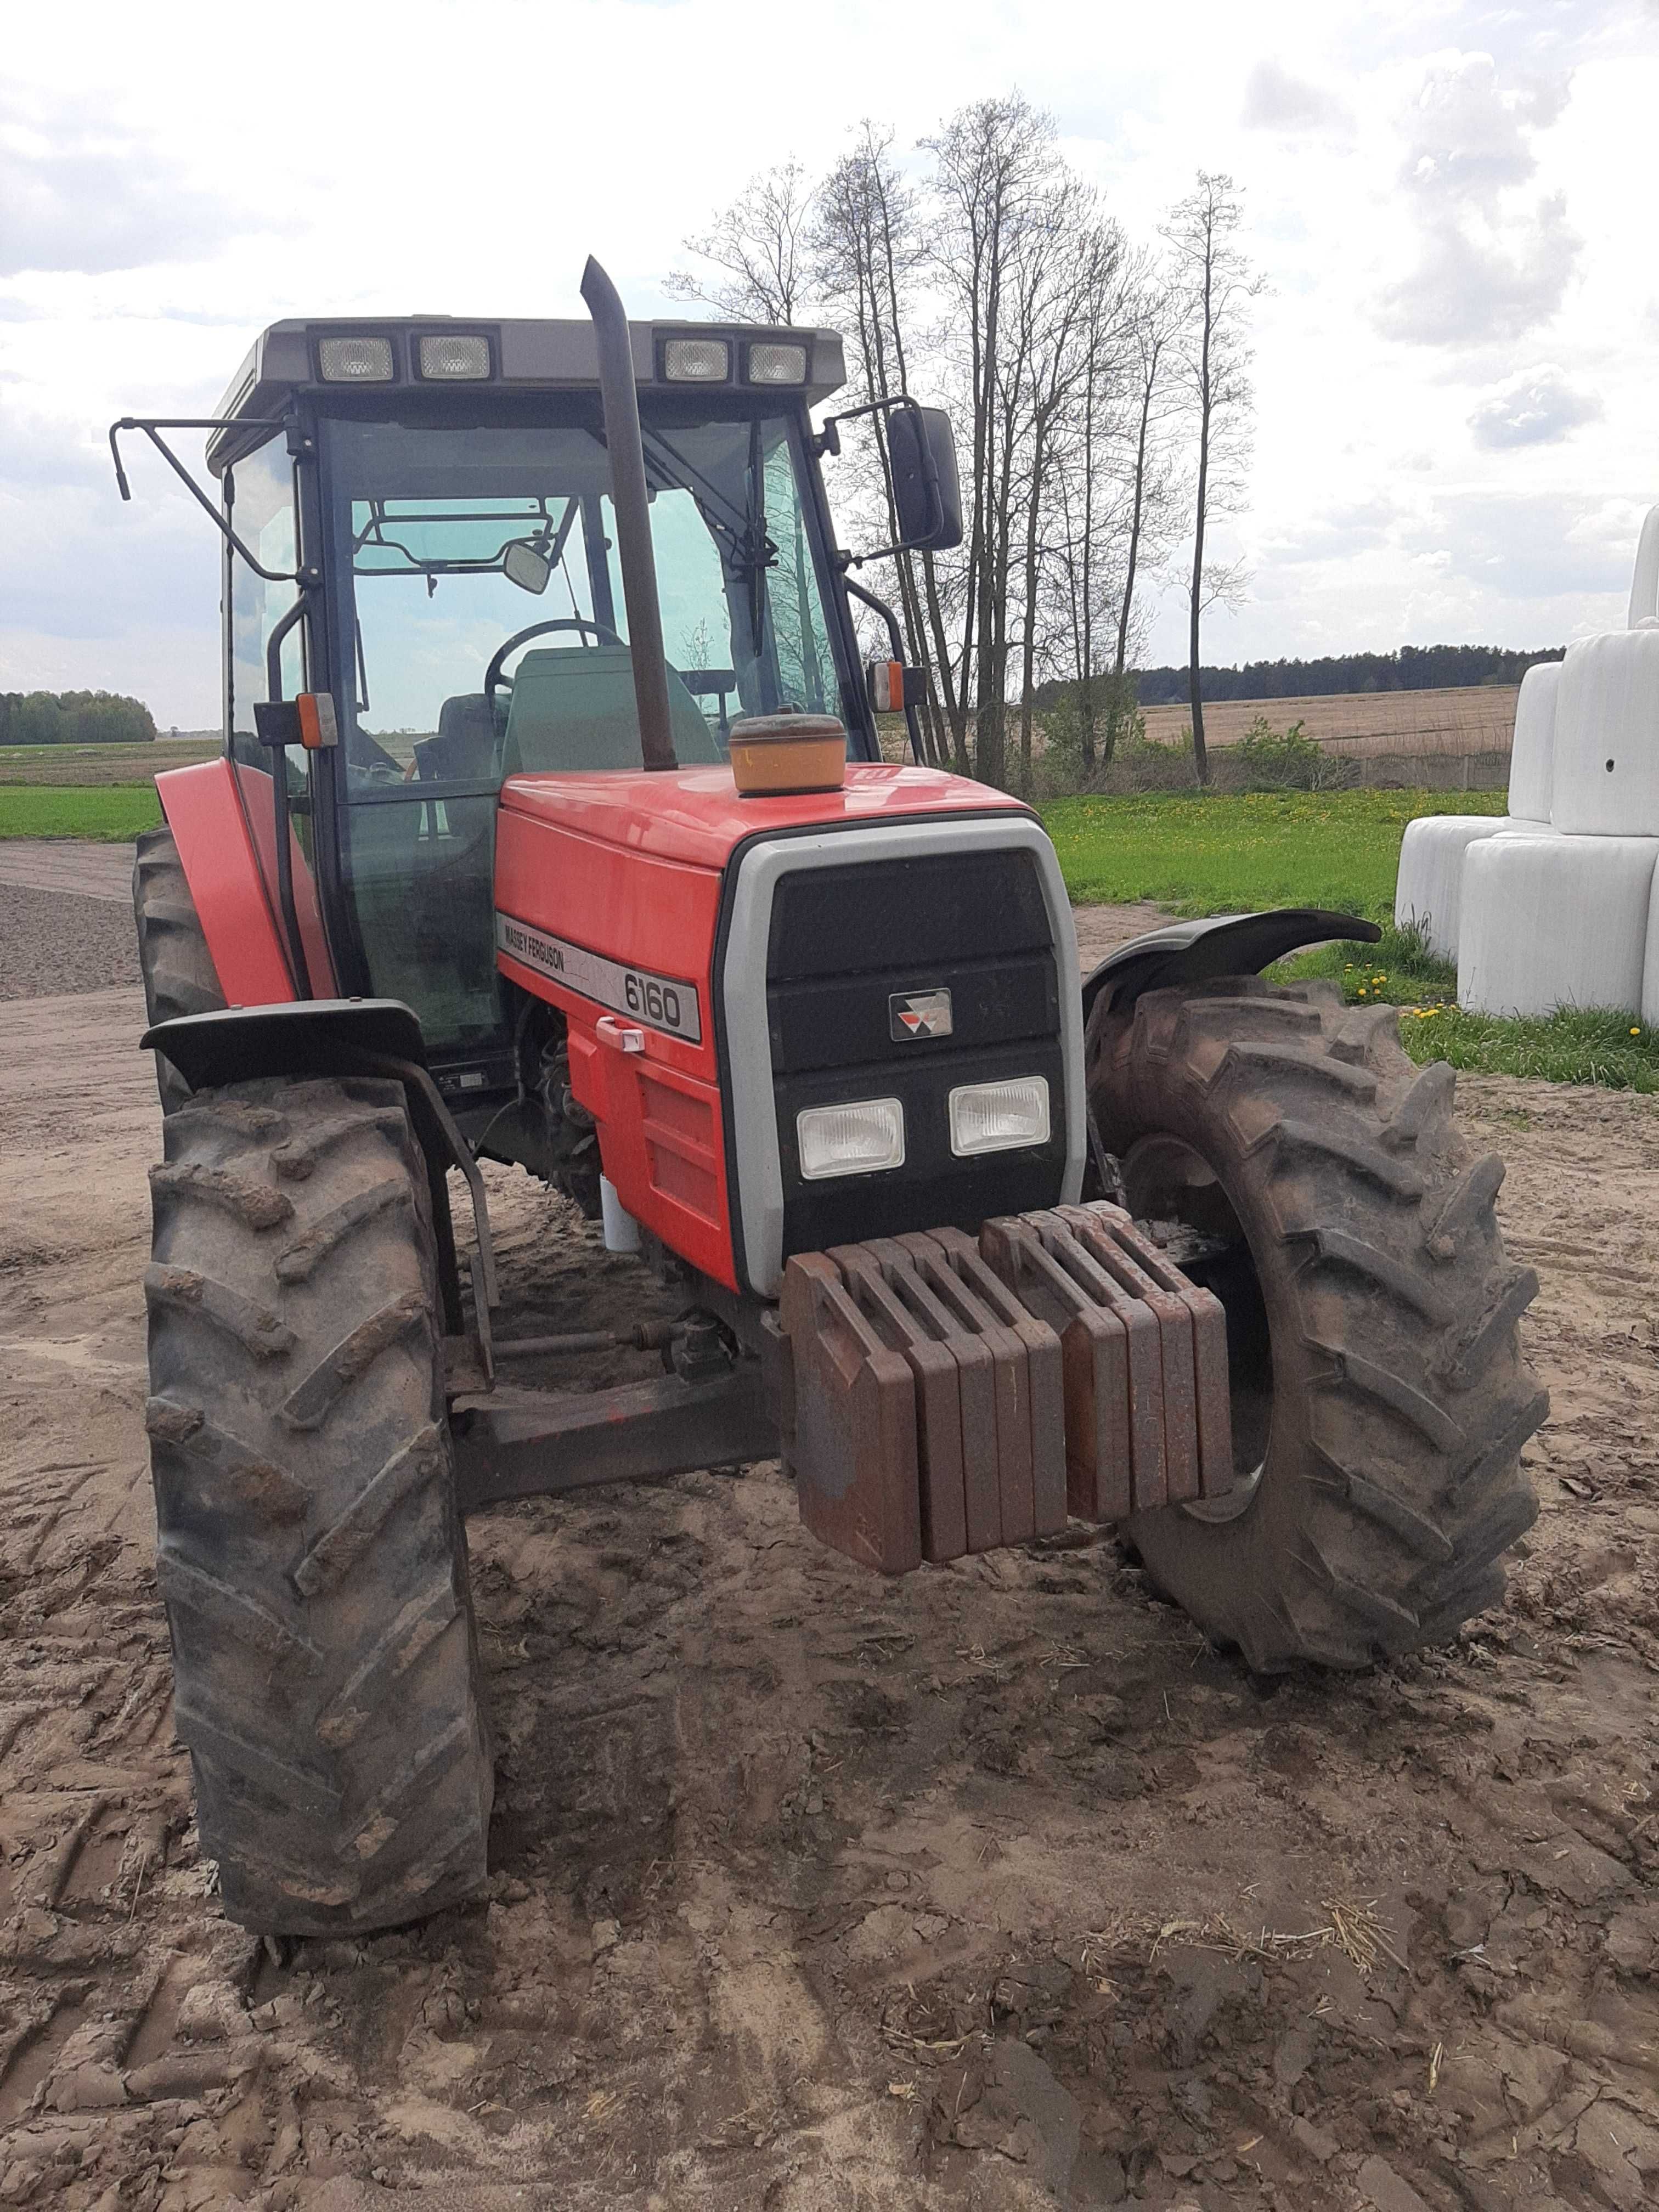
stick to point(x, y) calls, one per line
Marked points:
point(896, 640)
point(152, 426)
point(828, 439)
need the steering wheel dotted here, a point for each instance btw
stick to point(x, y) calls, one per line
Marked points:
point(494, 681)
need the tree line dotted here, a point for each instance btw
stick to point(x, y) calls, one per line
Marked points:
point(1099, 385)
point(1412, 668)
point(67, 717)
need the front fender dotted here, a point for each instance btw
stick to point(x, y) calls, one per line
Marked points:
point(1186, 952)
point(308, 1037)
point(347, 1036)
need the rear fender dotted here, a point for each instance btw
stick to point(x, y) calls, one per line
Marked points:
point(1188, 952)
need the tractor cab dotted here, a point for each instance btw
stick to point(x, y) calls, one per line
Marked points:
point(424, 531)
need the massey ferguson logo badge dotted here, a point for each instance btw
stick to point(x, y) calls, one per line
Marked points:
point(919, 1014)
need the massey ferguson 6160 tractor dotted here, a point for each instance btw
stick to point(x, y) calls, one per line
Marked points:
point(625, 894)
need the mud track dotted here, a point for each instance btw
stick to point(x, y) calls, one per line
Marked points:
point(992, 1888)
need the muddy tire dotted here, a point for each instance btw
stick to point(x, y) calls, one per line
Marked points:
point(311, 1556)
point(179, 976)
point(1380, 1400)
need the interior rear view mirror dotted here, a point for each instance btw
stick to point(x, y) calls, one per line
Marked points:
point(527, 566)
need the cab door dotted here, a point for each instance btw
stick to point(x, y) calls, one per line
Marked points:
point(260, 500)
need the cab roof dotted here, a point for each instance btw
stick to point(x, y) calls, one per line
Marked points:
point(287, 358)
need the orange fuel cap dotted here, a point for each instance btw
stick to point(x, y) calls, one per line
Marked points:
point(773, 753)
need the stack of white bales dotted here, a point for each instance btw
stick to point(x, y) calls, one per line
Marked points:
point(1550, 904)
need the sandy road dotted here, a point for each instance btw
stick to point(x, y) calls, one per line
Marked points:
point(992, 1888)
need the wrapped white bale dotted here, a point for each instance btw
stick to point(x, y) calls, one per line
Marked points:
point(1428, 889)
point(1549, 921)
point(1606, 737)
point(1644, 584)
point(1531, 754)
point(1650, 961)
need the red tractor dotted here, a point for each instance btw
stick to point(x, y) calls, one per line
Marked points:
point(626, 896)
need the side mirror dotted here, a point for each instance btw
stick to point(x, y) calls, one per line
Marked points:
point(926, 494)
point(523, 564)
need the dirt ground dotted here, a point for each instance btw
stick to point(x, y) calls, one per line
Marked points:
point(992, 1888)
point(65, 917)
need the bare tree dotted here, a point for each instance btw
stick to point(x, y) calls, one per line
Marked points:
point(1054, 296)
point(992, 162)
point(1155, 312)
point(1218, 283)
point(1087, 491)
point(988, 271)
point(756, 252)
point(867, 254)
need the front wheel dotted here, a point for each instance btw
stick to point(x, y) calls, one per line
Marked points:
point(1380, 1400)
point(310, 1551)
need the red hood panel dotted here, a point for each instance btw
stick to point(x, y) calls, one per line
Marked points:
point(694, 816)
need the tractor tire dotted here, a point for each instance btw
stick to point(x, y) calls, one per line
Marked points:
point(179, 976)
point(311, 1555)
point(1380, 1399)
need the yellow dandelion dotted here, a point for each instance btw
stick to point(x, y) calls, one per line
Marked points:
point(1362, 990)
point(1636, 1032)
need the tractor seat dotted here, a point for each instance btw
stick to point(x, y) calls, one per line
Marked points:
point(573, 710)
point(464, 747)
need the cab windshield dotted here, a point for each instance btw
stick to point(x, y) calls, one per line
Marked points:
point(479, 596)
point(461, 540)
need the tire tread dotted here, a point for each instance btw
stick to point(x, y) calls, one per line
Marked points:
point(1392, 1484)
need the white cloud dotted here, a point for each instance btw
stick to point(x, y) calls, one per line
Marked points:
point(1493, 259)
point(1339, 534)
point(76, 195)
point(1539, 548)
point(1539, 407)
point(1276, 100)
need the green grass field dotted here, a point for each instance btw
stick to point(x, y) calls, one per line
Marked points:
point(110, 814)
point(1579, 1045)
point(1221, 854)
point(1225, 854)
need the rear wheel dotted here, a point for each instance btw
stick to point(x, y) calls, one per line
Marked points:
point(178, 970)
point(1380, 1401)
point(311, 1555)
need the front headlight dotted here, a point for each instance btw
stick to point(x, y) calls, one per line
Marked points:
point(999, 1117)
point(856, 1139)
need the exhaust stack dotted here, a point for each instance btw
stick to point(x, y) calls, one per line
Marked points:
point(621, 402)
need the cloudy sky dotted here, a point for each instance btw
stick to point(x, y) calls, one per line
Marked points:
point(1453, 203)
